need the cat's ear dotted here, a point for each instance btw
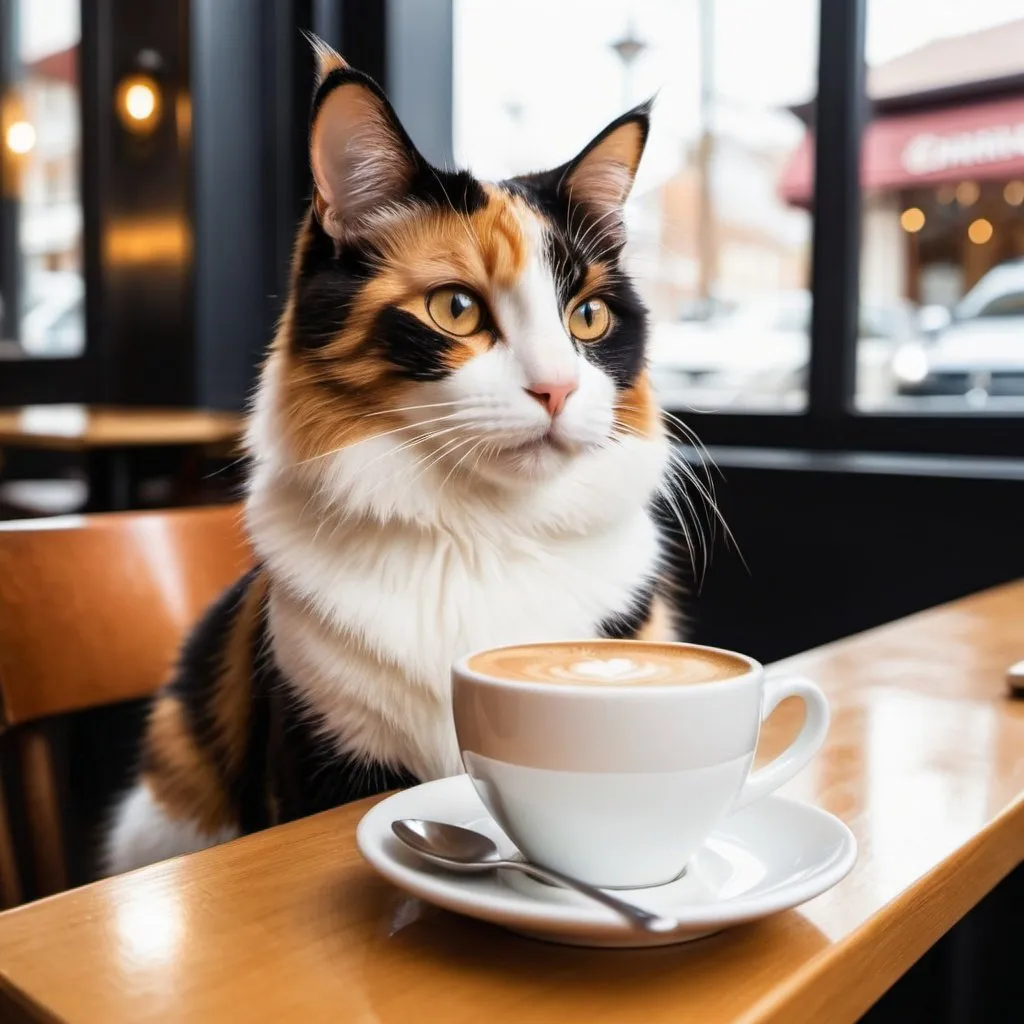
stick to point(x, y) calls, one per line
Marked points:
point(361, 156)
point(602, 175)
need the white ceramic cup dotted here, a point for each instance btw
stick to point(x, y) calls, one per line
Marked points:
point(620, 785)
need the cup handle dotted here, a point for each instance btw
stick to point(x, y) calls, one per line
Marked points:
point(811, 736)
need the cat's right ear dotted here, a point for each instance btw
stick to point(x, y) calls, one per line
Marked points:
point(361, 156)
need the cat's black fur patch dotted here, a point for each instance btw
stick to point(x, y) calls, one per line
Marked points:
point(327, 286)
point(620, 353)
point(412, 348)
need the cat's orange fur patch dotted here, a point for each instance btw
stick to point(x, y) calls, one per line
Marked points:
point(181, 776)
point(659, 625)
point(636, 411)
point(231, 701)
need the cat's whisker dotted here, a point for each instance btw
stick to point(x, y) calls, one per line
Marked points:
point(484, 452)
point(374, 437)
point(691, 436)
point(712, 504)
point(415, 408)
point(422, 438)
point(683, 522)
point(707, 463)
point(678, 471)
point(427, 462)
point(462, 459)
point(569, 211)
point(580, 244)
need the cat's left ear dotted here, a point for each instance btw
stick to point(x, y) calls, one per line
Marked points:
point(602, 175)
point(361, 157)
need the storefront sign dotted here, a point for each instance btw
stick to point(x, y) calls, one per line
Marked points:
point(983, 141)
point(930, 153)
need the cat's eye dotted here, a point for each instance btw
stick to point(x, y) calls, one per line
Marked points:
point(590, 320)
point(456, 311)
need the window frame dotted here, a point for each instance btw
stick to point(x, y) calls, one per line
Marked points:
point(30, 377)
point(830, 421)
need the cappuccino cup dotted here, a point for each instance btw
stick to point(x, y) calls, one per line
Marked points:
point(614, 760)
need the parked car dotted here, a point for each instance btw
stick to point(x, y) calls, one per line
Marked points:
point(757, 355)
point(978, 352)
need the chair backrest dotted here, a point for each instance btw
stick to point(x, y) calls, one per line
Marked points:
point(93, 608)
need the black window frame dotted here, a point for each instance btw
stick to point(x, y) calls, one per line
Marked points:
point(139, 338)
point(28, 377)
point(831, 422)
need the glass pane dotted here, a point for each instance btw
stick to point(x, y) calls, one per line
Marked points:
point(720, 254)
point(42, 295)
point(943, 231)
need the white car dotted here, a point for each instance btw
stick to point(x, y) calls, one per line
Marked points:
point(756, 357)
point(978, 353)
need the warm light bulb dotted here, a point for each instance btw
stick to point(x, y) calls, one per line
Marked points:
point(1013, 193)
point(967, 193)
point(980, 231)
point(21, 137)
point(139, 101)
point(912, 220)
point(138, 104)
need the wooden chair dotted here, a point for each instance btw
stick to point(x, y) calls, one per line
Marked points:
point(92, 612)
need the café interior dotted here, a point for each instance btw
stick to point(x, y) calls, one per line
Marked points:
point(158, 162)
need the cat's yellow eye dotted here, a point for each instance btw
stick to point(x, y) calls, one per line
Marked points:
point(456, 311)
point(590, 320)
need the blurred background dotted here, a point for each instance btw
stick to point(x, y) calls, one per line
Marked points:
point(828, 228)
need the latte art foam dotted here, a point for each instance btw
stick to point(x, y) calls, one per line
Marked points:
point(616, 663)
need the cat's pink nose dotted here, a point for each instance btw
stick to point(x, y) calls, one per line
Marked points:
point(552, 396)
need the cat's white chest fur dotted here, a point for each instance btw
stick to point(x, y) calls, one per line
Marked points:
point(367, 616)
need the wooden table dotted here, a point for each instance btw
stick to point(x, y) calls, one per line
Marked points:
point(925, 762)
point(108, 435)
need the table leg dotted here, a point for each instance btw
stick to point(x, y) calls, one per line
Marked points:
point(110, 480)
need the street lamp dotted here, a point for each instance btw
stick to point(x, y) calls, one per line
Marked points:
point(628, 49)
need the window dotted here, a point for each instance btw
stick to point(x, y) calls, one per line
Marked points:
point(722, 259)
point(41, 284)
point(942, 173)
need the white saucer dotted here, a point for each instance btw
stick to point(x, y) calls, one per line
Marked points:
point(770, 856)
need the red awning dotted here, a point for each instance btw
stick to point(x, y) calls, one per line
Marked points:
point(984, 140)
point(62, 65)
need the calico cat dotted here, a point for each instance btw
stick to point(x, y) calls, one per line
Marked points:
point(455, 445)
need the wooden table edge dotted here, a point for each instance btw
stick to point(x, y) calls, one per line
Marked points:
point(887, 945)
point(18, 1007)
